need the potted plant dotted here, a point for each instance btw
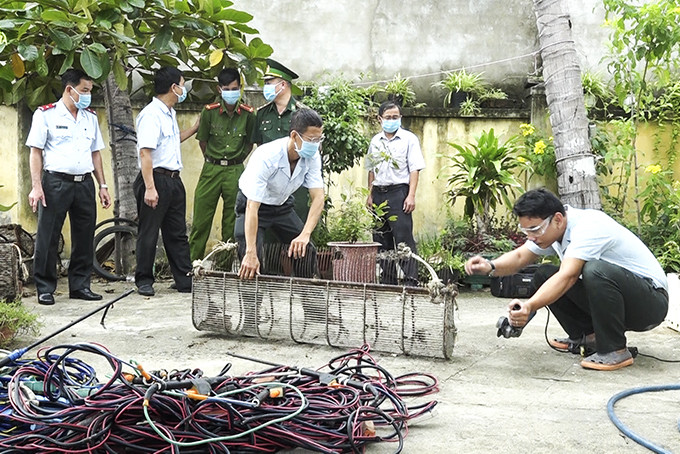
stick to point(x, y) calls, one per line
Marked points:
point(350, 227)
point(494, 97)
point(16, 320)
point(461, 85)
point(400, 90)
point(482, 173)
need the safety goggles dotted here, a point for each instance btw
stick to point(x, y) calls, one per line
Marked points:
point(537, 230)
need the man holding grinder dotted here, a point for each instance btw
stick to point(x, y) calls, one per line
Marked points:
point(608, 281)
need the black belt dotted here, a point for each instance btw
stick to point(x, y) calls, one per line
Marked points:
point(70, 177)
point(170, 173)
point(389, 188)
point(223, 162)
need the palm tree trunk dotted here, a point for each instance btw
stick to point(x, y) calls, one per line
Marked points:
point(576, 179)
point(124, 161)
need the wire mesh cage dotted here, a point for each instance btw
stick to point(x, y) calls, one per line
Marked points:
point(396, 319)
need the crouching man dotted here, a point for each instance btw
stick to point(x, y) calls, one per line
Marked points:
point(608, 281)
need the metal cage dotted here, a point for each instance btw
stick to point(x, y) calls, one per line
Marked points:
point(403, 320)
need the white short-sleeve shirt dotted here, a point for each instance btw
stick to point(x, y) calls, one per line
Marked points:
point(267, 178)
point(593, 235)
point(393, 160)
point(157, 129)
point(67, 143)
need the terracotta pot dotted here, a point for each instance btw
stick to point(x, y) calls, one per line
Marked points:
point(354, 262)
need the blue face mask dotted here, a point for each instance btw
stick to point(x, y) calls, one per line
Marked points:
point(308, 149)
point(183, 96)
point(231, 97)
point(269, 92)
point(391, 126)
point(84, 100)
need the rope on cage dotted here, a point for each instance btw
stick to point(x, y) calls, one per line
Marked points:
point(200, 265)
point(437, 289)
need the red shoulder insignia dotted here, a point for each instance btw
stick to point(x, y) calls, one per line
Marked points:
point(212, 106)
point(246, 107)
point(91, 110)
point(48, 106)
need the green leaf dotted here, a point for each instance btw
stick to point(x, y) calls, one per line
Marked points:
point(233, 15)
point(120, 75)
point(28, 51)
point(68, 62)
point(91, 64)
point(62, 40)
point(6, 73)
point(97, 48)
point(7, 24)
point(52, 15)
point(137, 3)
point(40, 63)
point(162, 39)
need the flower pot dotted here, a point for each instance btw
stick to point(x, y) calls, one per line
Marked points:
point(457, 98)
point(354, 262)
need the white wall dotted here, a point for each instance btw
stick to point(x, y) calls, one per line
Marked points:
point(418, 39)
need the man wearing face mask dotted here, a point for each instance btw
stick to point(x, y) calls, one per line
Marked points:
point(394, 162)
point(273, 118)
point(224, 136)
point(264, 202)
point(65, 141)
point(160, 193)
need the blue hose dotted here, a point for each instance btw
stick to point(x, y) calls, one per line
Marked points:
point(625, 430)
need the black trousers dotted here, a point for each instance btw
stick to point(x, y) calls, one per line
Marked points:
point(284, 222)
point(394, 232)
point(77, 199)
point(169, 217)
point(608, 300)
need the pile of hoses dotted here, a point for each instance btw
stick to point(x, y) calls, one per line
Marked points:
point(55, 403)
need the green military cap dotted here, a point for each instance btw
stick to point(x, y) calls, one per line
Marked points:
point(276, 69)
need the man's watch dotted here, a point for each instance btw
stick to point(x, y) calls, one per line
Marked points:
point(104, 186)
point(493, 267)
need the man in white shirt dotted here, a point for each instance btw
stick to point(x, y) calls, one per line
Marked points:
point(274, 172)
point(159, 191)
point(608, 281)
point(394, 162)
point(65, 141)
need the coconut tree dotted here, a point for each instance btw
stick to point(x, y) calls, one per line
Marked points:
point(112, 41)
point(576, 179)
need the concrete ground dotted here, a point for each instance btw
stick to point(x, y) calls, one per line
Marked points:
point(496, 394)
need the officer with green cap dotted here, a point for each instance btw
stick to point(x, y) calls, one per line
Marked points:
point(225, 137)
point(273, 118)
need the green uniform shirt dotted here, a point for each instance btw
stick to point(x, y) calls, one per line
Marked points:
point(270, 124)
point(227, 136)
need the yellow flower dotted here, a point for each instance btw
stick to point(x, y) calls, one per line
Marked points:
point(521, 159)
point(527, 129)
point(550, 138)
point(539, 147)
point(653, 169)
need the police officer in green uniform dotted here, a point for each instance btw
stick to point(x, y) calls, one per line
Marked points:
point(273, 118)
point(225, 137)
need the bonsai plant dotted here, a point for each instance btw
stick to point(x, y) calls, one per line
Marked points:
point(350, 226)
point(482, 172)
point(16, 320)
